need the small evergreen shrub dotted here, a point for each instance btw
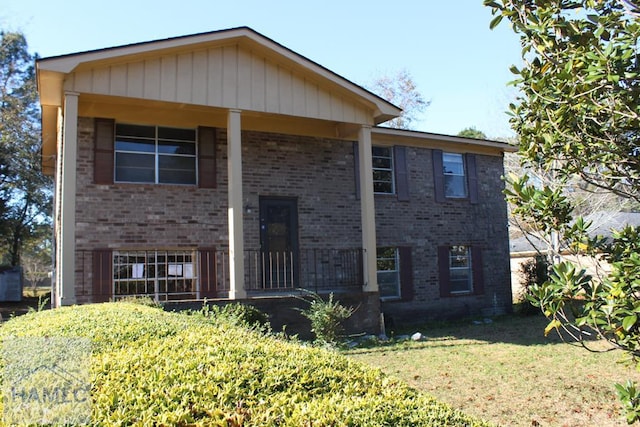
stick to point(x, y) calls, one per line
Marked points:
point(238, 314)
point(326, 318)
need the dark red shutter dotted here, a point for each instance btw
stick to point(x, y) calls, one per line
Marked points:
point(402, 174)
point(443, 271)
point(207, 157)
point(104, 137)
point(406, 273)
point(102, 275)
point(438, 176)
point(476, 266)
point(472, 177)
point(207, 272)
point(356, 168)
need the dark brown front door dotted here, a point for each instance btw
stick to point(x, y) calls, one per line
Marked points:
point(279, 242)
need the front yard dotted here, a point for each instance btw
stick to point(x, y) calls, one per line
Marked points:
point(509, 373)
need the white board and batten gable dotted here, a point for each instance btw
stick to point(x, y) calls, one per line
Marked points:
point(228, 69)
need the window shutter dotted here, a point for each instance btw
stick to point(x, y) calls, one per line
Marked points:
point(207, 274)
point(472, 178)
point(402, 175)
point(102, 275)
point(207, 157)
point(477, 270)
point(438, 176)
point(356, 168)
point(406, 273)
point(443, 271)
point(104, 136)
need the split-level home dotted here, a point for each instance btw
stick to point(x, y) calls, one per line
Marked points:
point(225, 166)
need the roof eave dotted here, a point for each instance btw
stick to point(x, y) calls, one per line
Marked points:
point(503, 146)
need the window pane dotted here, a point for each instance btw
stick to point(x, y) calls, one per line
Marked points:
point(382, 187)
point(135, 167)
point(381, 162)
point(453, 163)
point(177, 170)
point(381, 151)
point(382, 175)
point(133, 144)
point(388, 274)
point(382, 170)
point(386, 259)
point(459, 256)
point(388, 284)
point(460, 268)
point(177, 148)
point(460, 280)
point(177, 134)
point(455, 186)
point(136, 130)
point(135, 273)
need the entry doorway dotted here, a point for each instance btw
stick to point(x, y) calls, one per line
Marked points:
point(279, 242)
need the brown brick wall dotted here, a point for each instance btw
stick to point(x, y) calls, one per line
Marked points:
point(319, 173)
point(423, 224)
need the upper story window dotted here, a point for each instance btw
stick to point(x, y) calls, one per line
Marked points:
point(154, 154)
point(455, 183)
point(383, 176)
point(455, 177)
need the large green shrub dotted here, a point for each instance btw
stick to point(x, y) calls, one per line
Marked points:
point(150, 367)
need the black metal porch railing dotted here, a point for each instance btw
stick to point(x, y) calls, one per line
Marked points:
point(317, 270)
point(179, 275)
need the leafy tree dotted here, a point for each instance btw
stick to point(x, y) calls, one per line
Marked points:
point(578, 116)
point(35, 257)
point(25, 193)
point(400, 90)
point(472, 132)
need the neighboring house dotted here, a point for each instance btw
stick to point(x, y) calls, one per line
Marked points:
point(525, 248)
point(225, 166)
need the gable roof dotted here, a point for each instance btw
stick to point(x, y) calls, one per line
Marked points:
point(52, 71)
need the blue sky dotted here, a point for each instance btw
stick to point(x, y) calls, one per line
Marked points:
point(458, 64)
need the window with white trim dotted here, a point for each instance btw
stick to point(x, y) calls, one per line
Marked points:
point(161, 275)
point(155, 154)
point(387, 261)
point(383, 176)
point(460, 272)
point(455, 182)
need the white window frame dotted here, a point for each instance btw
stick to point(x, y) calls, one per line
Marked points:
point(138, 273)
point(156, 153)
point(450, 174)
point(390, 170)
point(455, 258)
point(395, 272)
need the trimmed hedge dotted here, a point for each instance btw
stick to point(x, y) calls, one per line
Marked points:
point(150, 367)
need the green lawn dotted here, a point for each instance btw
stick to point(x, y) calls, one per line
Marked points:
point(509, 373)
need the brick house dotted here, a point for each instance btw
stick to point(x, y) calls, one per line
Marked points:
point(225, 166)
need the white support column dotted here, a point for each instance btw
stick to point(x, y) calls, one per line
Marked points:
point(367, 208)
point(236, 228)
point(67, 243)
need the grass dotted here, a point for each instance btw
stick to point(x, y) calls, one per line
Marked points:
point(509, 373)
